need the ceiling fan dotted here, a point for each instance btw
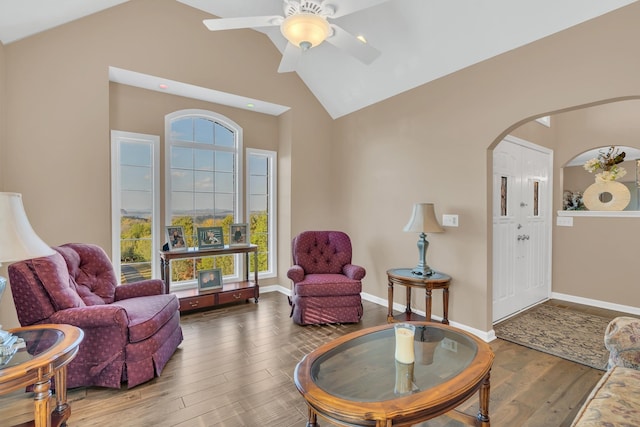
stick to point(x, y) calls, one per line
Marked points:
point(305, 25)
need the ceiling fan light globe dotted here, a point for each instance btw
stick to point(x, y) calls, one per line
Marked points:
point(305, 28)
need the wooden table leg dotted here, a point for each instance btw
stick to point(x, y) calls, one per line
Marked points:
point(313, 419)
point(427, 304)
point(42, 410)
point(483, 413)
point(445, 306)
point(390, 302)
point(61, 389)
point(407, 310)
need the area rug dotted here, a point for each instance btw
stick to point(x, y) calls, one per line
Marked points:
point(562, 332)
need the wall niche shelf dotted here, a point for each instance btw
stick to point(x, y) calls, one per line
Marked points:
point(601, 214)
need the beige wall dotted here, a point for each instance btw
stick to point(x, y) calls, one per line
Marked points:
point(361, 173)
point(431, 145)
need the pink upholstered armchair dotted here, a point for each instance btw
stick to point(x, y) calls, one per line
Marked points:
point(326, 286)
point(130, 331)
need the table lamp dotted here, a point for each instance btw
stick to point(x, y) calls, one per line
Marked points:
point(18, 241)
point(423, 220)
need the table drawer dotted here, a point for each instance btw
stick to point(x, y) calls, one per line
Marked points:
point(200, 301)
point(236, 295)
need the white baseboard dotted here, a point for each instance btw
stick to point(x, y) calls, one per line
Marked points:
point(596, 303)
point(485, 336)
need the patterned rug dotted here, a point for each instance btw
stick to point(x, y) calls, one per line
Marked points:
point(562, 332)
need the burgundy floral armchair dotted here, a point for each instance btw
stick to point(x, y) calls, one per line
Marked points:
point(130, 331)
point(326, 286)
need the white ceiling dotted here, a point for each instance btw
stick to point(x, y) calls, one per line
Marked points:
point(420, 40)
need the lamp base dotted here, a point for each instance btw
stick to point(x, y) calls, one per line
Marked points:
point(423, 271)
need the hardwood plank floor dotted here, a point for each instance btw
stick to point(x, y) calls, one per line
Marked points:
point(236, 364)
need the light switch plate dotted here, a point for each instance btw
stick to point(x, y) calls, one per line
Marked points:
point(564, 221)
point(450, 220)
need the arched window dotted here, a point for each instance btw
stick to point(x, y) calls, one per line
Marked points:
point(203, 182)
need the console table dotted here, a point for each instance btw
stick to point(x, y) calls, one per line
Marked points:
point(191, 299)
point(46, 351)
point(404, 277)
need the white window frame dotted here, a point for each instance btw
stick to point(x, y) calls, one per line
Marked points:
point(239, 161)
point(118, 137)
point(273, 215)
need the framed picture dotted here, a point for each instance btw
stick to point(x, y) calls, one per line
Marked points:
point(210, 237)
point(239, 235)
point(175, 238)
point(209, 280)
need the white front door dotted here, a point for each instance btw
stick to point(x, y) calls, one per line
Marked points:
point(522, 204)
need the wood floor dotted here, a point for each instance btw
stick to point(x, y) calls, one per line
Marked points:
point(235, 369)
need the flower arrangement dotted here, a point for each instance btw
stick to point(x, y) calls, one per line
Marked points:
point(572, 201)
point(608, 164)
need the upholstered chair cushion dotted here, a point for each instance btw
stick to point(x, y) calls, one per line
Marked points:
point(91, 270)
point(622, 339)
point(54, 276)
point(322, 251)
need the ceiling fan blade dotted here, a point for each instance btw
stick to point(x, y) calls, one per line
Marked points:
point(345, 7)
point(349, 43)
point(290, 58)
point(243, 22)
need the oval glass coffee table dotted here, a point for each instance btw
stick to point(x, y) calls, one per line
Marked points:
point(352, 380)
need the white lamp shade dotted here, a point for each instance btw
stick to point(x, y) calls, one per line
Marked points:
point(423, 219)
point(18, 241)
point(305, 27)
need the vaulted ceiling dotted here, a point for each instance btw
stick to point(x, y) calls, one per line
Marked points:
point(419, 40)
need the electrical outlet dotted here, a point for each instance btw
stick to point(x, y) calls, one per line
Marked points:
point(564, 221)
point(450, 220)
point(449, 344)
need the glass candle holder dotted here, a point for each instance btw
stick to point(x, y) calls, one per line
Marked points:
point(405, 333)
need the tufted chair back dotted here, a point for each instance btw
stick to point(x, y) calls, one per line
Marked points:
point(78, 275)
point(319, 252)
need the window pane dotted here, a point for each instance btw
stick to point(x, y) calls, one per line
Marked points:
point(181, 157)
point(224, 182)
point(224, 137)
point(258, 204)
point(181, 180)
point(258, 165)
point(204, 181)
point(224, 203)
point(135, 154)
point(203, 130)
point(204, 207)
point(181, 203)
point(136, 178)
point(204, 160)
point(225, 162)
point(139, 203)
point(503, 196)
point(258, 184)
point(182, 129)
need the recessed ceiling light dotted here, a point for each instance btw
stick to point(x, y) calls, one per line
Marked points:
point(250, 105)
point(163, 86)
point(362, 39)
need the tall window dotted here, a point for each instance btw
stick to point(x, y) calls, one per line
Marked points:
point(135, 205)
point(203, 182)
point(261, 207)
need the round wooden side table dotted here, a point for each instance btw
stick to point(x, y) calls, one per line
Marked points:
point(404, 277)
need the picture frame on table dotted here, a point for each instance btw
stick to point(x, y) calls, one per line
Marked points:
point(175, 238)
point(209, 280)
point(239, 234)
point(210, 238)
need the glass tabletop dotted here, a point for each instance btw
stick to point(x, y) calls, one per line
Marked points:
point(364, 369)
point(35, 342)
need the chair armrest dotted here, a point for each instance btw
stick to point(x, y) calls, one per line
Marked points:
point(354, 272)
point(142, 288)
point(296, 274)
point(92, 316)
point(622, 339)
